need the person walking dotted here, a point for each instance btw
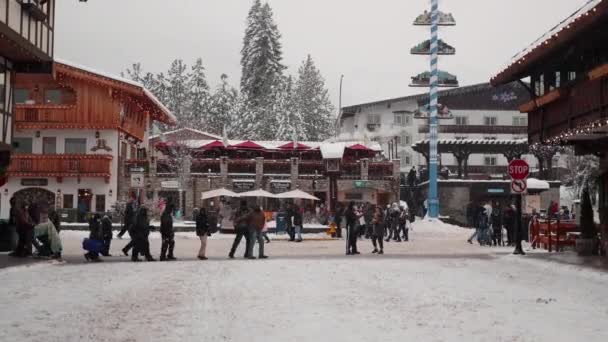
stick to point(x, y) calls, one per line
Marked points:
point(298, 222)
point(478, 211)
point(496, 220)
point(202, 231)
point(378, 231)
point(338, 219)
point(403, 229)
point(257, 221)
point(351, 229)
point(94, 244)
point(24, 227)
point(106, 229)
point(167, 234)
point(509, 222)
point(129, 218)
point(289, 223)
point(141, 231)
point(241, 223)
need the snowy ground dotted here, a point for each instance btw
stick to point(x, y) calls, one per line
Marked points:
point(434, 288)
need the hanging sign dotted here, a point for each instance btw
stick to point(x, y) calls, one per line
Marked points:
point(278, 187)
point(34, 182)
point(243, 185)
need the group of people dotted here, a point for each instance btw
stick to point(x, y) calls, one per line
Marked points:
point(375, 223)
point(37, 226)
point(488, 220)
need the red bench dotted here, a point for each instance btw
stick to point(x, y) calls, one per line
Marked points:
point(553, 234)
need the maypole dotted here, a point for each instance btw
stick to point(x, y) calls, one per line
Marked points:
point(434, 48)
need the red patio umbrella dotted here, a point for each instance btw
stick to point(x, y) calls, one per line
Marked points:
point(359, 147)
point(292, 146)
point(213, 144)
point(247, 145)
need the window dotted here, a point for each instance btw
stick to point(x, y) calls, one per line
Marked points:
point(21, 95)
point(489, 138)
point(405, 139)
point(462, 120)
point(100, 203)
point(402, 119)
point(489, 161)
point(133, 153)
point(406, 159)
point(373, 119)
point(571, 75)
point(52, 96)
point(461, 137)
point(558, 79)
point(68, 201)
point(75, 145)
point(49, 145)
point(22, 145)
point(489, 120)
point(520, 121)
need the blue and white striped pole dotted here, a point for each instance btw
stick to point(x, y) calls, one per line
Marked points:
point(433, 201)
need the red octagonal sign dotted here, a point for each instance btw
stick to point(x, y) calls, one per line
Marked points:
point(519, 169)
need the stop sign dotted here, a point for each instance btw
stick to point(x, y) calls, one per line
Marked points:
point(519, 169)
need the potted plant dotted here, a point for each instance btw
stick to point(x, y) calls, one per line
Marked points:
point(586, 243)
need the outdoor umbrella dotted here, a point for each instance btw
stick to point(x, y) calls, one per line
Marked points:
point(218, 193)
point(257, 193)
point(297, 194)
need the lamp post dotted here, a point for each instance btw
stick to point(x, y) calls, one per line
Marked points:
point(339, 106)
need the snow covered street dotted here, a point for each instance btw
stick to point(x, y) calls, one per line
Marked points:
point(435, 288)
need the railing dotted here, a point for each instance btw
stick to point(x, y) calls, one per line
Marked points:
point(380, 170)
point(277, 167)
point(42, 113)
point(487, 129)
point(60, 165)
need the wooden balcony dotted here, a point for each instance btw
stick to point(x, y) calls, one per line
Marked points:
point(52, 116)
point(60, 165)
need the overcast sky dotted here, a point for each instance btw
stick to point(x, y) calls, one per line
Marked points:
point(366, 40)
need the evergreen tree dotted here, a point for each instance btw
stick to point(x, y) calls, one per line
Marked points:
point(290, 123)
point(177, 92)
point(134, 73)
point(312, 102)
point(198, 89)
point(222, 106)
point(261, 57)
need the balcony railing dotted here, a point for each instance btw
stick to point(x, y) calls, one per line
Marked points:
point(42, 113)
point(481, 129)
point(60, 165)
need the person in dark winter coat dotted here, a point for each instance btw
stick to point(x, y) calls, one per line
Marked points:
point(289, 223)
point(129, 218)
point(509, 223)
point(403, 229)
point(141, 230)
point(257, 220)
point(241, 227)
point(94, 244)
point(351, 229)
point(202, 231)
point(55, 219)
point(338, 219)
point(298, 222)
point(106, 228)
point(496, 220)
point(24, 227)
point(378, 222)
point(167, 234)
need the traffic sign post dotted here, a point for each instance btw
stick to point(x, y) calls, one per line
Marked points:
point(519, 170)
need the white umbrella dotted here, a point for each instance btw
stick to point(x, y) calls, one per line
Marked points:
point(297, 194)
point(219, 193)
point(257, 193)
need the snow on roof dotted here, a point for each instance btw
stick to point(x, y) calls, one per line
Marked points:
point(146, 92)
point(214, 136)
point(475, 142)
point(333, 150)
point(537, 184)
point(552, 33)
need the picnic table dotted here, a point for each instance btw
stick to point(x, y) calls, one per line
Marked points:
point(553, 234)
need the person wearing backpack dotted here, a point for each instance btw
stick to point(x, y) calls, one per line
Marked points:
point(167, 234)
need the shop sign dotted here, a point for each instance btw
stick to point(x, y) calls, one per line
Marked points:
point(172, 184)
point(241, 186)
point(137, 180)
point(361, 184)
point(279, 187)
point(34, 182)
point(496, 191)
point(133, 169)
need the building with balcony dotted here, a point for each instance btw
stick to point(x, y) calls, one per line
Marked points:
point(181, 170)
point(73, 129)
point(26, 45)
point(477, 112)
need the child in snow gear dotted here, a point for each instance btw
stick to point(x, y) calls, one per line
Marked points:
point(94, 244)
point(167, 234)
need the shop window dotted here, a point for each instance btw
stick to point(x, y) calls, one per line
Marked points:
point(49, 145)
point(461, 120)
point(75, 146)
point(490, 120)
point(22, 145)
point(520, 121)
point(100, 203)
point(489, 161)
point(52, 96)
point(68, 201)
point(353, 196)
point(21, 96)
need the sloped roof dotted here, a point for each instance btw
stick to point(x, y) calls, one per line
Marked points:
point(167, 117)
point(558, 36)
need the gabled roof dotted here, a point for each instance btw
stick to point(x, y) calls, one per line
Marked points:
point(560, 35)
point(165, 114)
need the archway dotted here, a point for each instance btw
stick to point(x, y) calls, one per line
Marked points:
point(37, 195)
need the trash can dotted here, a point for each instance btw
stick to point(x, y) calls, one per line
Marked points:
point(8, 237)
point(281, 222)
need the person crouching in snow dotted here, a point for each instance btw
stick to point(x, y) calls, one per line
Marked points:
point(167, 234)
point(106, 229)
point(94, 244)
point(49, 241)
